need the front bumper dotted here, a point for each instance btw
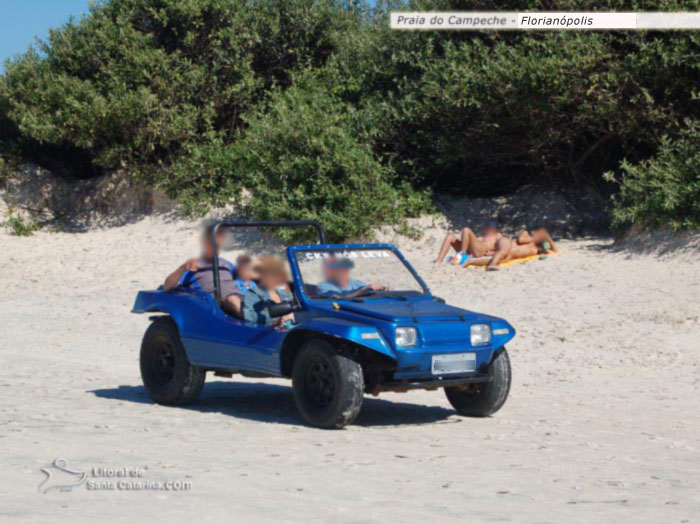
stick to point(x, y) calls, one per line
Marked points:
point(415, 363)
point(399, 386)
point(444, 338)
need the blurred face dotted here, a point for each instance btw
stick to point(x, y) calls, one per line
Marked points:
point(539, 235)
point(490, 231)
point(272, 280)
point(208, 248)
point(246, 272)
point(340, 276)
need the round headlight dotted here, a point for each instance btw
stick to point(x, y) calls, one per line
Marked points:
point(406, 336)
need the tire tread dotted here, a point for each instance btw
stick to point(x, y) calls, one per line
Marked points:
point(350, 387)
point(193, 377)
point(496, 392)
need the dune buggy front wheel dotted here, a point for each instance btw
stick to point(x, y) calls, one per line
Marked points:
point(167, 374)
point(482, 399)
point(328, 385)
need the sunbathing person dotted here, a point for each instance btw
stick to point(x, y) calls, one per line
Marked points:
point(270, 290)
point(538, 236)
point(198, 273)
point(469, 245)
point(535, 242)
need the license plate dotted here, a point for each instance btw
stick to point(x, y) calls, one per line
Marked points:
point(453, 363)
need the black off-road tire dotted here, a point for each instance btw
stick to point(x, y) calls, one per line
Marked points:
point(328, 385)
point(167, 374)
point(484, 398)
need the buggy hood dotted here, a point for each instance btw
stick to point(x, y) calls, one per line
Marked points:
point(408, 310)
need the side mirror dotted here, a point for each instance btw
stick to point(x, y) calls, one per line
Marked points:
point(281, 309)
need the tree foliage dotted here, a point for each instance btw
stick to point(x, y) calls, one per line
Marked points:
point(484, 113)
point(665, 189)
point(307, 155)
point(315, 108)
point(137, 79)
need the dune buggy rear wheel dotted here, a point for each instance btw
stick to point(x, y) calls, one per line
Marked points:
point(167, 374)
point(482, 399)
point(328, 385)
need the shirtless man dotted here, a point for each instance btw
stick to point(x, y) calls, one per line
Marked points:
point(534, 242)
point(471, 245)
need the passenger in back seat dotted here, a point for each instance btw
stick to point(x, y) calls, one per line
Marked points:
point(270, 289)
point(198, 273)
point(245, 274)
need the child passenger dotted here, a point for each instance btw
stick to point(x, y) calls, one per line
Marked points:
point(245, 274)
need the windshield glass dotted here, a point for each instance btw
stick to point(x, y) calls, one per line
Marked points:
point(355, 274)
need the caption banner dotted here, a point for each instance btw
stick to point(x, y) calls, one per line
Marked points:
point(471, 21)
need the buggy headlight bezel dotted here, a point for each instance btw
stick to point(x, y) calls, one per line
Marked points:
point(479, 334)
point(406, 336)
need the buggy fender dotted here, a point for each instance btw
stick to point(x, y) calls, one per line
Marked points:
point(153, 302)
point(360, 334)
point(181, 305)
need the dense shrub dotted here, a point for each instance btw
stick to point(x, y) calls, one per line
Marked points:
point(204, 173)
point(665, 189)
point(206, 98)
point(136, 79)
point(482, 113)
point(307, 155)
point(304, 154)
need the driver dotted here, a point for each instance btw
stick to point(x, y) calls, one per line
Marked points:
point(338, 282)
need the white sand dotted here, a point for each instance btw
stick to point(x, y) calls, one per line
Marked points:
point(602, 423)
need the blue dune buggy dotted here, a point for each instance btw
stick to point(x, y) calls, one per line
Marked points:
point(394, 336)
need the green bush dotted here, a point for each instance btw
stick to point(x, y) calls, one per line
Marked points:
point(19, 226)
point(306, 155)
point(483, 113)
point(135, 80)
point(665, 189)
point(203, 98)
point(204, 174)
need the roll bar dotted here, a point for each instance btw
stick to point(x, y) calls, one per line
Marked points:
point(256, 223)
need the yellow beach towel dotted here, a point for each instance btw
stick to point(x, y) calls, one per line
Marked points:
point(515, 261)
